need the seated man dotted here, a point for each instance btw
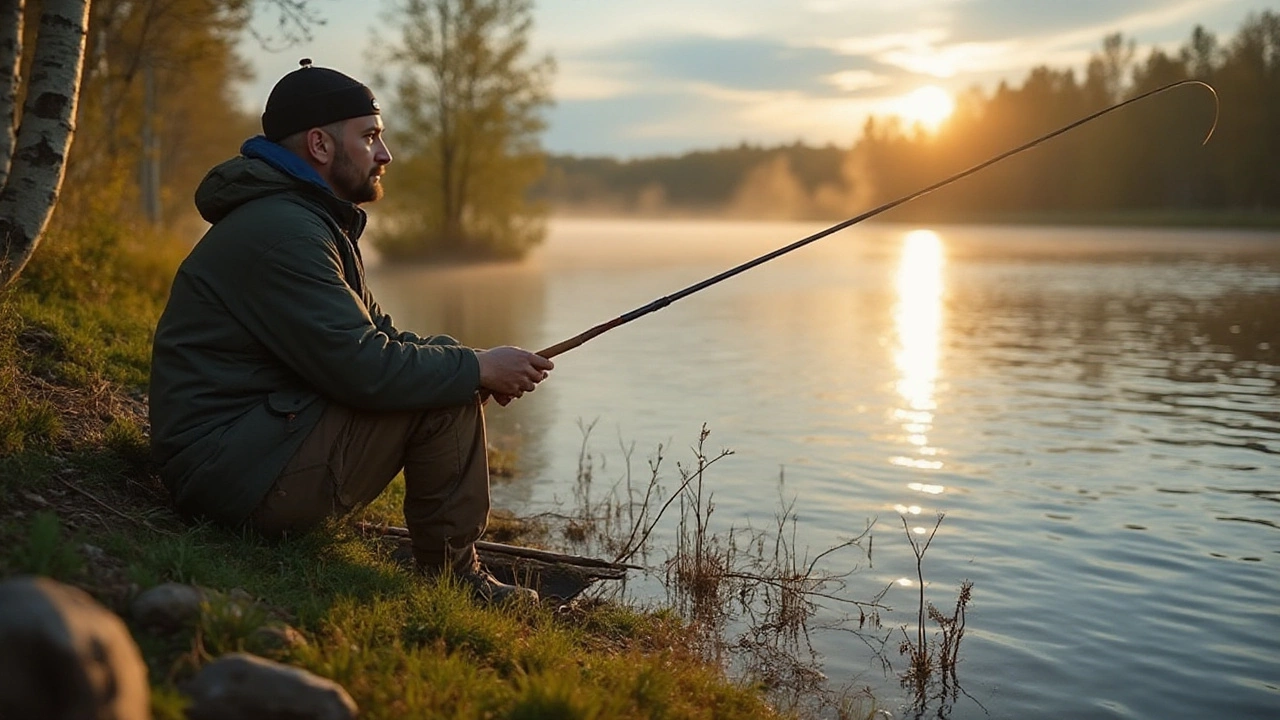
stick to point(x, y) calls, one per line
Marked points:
point(281, 394)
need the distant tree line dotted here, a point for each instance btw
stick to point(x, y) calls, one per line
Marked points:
point(696, 182)
point(1145, 161)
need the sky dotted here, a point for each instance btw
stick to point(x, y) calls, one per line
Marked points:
point(651, 77)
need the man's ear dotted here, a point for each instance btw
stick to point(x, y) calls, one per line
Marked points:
point(320, 146)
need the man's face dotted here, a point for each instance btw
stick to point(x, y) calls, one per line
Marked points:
point(360, 160)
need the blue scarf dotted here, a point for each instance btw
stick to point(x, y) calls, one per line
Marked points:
point(282, 159)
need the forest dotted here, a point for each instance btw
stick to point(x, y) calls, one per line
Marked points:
point(1144, 164)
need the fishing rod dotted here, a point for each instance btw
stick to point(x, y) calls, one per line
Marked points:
point(662, 302)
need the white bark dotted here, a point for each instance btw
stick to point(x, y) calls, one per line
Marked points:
point(44, 135)
point(10, 70)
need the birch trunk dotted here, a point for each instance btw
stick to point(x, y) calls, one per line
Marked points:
point(11, 69)
point(44, 135)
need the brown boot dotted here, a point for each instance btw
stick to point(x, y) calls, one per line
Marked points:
point(492, 591)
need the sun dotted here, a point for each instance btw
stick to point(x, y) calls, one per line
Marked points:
point(927, 107)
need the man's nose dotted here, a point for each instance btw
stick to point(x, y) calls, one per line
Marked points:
point(383, 155)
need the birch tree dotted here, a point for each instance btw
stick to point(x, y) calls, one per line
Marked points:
point(34, 143)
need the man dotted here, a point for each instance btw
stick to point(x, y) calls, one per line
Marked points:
point(281, 394)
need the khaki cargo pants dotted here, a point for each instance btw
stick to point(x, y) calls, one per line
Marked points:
point(350, 458)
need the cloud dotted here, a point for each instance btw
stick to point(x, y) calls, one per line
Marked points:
point(1004, 20)
point(878, 43)
point(575, 80)
point(713, 117)
point(632, 124)
point(744, 63)
point(852, 81)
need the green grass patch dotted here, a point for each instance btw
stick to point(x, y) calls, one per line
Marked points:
point(47, 549)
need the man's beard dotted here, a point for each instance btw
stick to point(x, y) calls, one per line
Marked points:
point(353, 184)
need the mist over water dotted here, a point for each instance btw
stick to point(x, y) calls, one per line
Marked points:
point(1095, 410)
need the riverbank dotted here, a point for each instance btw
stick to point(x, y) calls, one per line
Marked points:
point(80, 503)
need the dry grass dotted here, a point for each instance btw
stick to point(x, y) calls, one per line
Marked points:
point(749, 596)
point(932, 660)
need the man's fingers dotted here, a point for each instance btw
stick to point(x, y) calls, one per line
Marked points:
point(512, 371)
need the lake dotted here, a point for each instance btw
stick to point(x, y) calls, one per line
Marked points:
point(1095, 410)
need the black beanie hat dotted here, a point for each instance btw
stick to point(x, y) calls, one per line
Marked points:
point(314, 96)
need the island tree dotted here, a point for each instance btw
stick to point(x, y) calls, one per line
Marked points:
point(468, 98)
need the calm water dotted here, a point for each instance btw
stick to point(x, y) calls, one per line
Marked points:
point(1096, 411)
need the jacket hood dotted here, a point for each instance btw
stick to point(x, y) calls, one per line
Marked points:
point(263, 169)
point(236, 182)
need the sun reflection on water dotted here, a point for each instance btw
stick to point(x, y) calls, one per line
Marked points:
point(918, 322)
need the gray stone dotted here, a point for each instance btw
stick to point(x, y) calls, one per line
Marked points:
point(240, 686)
point(63, 656)
point(168, 607)
point(277, 637)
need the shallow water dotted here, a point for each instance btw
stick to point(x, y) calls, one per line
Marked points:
point(1095, 410)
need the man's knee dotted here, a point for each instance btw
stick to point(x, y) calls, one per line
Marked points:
point(460, 421)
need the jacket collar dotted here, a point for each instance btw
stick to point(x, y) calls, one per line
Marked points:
point(349, 215)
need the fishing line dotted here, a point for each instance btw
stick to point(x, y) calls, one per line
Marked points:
point(662, 302)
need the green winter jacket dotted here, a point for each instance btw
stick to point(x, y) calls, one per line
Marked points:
point(268, 322)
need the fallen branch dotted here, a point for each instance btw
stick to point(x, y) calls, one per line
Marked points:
point(141, 521)
point(515, 550)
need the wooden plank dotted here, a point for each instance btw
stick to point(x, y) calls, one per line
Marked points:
point(515, 550)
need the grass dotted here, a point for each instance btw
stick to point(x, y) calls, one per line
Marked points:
point(79, 502)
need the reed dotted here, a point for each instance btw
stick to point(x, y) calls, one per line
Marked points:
point(749, 596)
point(932, 660)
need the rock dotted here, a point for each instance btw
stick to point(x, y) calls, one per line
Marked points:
point(168, 607)
point(63, 656)
point(240, 686)
point(277, 637)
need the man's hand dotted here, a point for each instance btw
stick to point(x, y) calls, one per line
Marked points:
point(509, 372)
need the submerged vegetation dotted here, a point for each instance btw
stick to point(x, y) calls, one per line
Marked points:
point(932, 661)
